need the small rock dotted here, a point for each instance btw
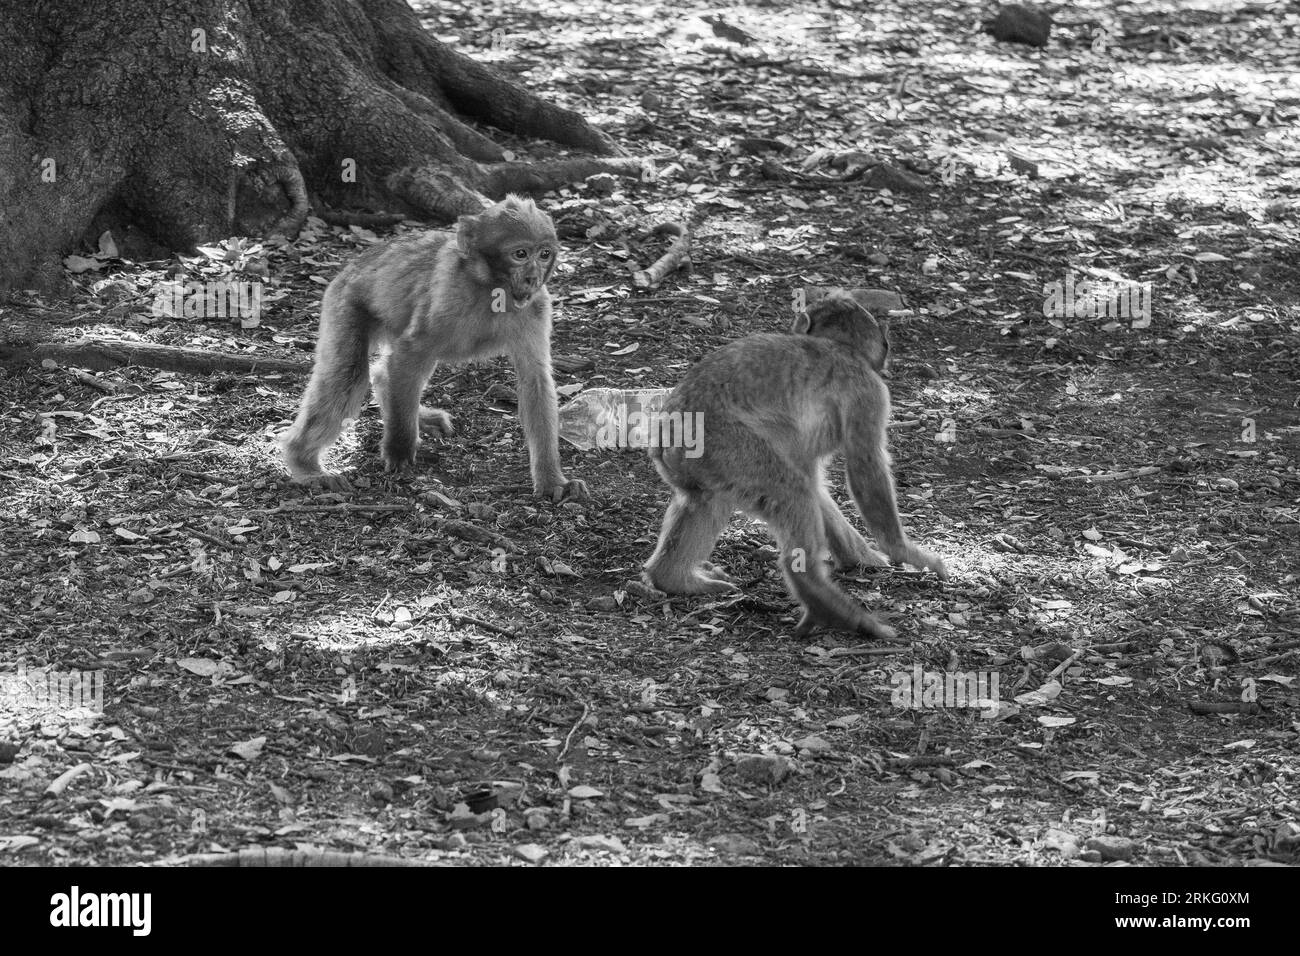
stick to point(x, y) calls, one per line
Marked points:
point(531, 852)
point(8, 752)
point(1020, 23)
point(650, 101)
point(1062, 842)
point(711, 783)
point(602, 184)
point(603, 603)
point(735, 844)
point(1090, 856)
point(596, 841)
point(763, 768)
point(142, 596)
point(813, 744)
point(537, 820)
point(1112, 847)
point(774, 171)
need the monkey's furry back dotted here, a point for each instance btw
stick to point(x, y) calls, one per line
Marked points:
point(769, 386)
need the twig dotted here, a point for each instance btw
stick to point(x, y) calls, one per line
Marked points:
point(202, 536)
point(60, 783)
point(677, 253)
point(864, 651)
point(1117, 475)
point(215, 479)
point(344, 507)
point(1060, 668)
point(586, 709)
point(85, 378)
point(925, 760)
point(1119, 647)
point(458, 619)
point(1225, 707)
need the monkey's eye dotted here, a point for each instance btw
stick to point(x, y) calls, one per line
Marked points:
point(545, 255)
point(520, 254)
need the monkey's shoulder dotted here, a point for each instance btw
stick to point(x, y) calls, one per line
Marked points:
point(769, 358)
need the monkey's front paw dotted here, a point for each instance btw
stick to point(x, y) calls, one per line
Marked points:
point(436, 421)
point(569, 489)
point(873, 628)
point(324, 480)
point(707, 584)
point(865, 558)
point(398, 465)
point(686, 581)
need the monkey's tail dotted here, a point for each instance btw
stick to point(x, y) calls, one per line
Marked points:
point(339, 382)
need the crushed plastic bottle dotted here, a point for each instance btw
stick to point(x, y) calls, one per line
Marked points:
point(611, 417)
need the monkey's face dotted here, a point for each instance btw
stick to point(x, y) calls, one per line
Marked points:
point(510, 248)
point(524, 268)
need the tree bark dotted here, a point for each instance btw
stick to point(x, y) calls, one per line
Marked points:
point(185, 121)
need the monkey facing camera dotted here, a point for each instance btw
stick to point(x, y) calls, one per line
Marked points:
point(438, 297)
point(775, 408)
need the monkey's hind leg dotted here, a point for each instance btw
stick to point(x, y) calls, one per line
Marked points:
point(399, 379)
point(691, 527)
point(866, 465)
point(794, 516)
point(336, 392)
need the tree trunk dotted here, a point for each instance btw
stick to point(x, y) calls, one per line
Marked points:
point(183, 121)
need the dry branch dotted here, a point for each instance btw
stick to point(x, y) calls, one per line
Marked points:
point(104, 354)
point(671, 260)
point(28, 341)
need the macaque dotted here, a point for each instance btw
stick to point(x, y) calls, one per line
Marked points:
point(775, 408)
point(477, 292)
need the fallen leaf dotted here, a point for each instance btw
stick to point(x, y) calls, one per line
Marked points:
point(248, 749)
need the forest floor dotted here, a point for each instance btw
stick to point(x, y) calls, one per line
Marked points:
point(445, 669)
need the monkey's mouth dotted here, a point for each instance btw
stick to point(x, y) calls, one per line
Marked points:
point(522, 300)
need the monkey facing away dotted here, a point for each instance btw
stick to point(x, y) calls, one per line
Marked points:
point(477, 292)
point(775, 408)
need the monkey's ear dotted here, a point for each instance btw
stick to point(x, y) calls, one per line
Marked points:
point(467, 234)
point(801, 324)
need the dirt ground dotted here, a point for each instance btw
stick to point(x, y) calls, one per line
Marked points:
point(447, 670)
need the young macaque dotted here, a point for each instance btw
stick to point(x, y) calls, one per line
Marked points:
point(477, 292)
point(774, 409)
